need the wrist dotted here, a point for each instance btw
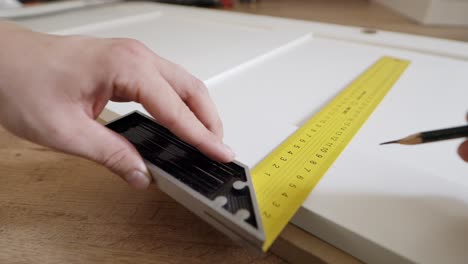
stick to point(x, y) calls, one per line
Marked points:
point(10, 35)
point(7, 27)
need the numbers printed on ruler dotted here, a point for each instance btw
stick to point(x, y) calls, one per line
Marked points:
point(285, 178)
point(314, 159)
point(348, 110)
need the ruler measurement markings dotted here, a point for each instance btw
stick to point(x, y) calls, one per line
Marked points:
point(344, 102)
point(321, 131)
point(309, 162)
point(313, 148)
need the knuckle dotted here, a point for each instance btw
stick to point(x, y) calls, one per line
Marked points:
point(179, 120)
point(200, 86)
point(214, 125)
point(203, 140)
point(217, 125)
point(127, 49)
point(172, 119)
point(132, 45)
point(197, 88)
point(198, 144)
point(127, 62)
point(114, 160)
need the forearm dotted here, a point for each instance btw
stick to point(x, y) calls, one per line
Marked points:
point(7, 26)
point(14, 41)
point(11, 33)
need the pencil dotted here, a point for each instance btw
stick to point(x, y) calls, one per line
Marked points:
point(432, 136)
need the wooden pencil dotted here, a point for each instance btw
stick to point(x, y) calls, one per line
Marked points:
point(432, 136)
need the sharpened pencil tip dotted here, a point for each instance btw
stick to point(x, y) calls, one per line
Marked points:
point(389, 142)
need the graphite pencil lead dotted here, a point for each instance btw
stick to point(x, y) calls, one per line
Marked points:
point(409, 140)
point(390, 142)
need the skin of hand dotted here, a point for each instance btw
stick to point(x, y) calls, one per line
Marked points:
point(463, 149)
point(52, 88)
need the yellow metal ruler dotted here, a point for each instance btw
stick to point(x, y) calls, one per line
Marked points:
point(284, 179)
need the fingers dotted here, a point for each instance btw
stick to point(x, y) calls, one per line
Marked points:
point(162, 102)
point(97, 143)
point(194, 93)
point(463, 151)
point(176, 99)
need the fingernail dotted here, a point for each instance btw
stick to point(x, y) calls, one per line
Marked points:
point(138, 179)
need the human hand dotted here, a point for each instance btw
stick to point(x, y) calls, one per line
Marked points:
point(52, 88)
point(463, 149)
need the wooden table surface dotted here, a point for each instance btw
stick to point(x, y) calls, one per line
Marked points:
point(56, 208)
point(360, 13)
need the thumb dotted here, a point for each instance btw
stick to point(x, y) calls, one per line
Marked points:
point(98, 143)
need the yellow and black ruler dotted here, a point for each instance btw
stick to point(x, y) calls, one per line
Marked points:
point(284, 179)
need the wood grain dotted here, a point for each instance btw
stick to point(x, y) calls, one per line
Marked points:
point(56, 208)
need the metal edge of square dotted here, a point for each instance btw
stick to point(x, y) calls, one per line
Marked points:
point(207, 209)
